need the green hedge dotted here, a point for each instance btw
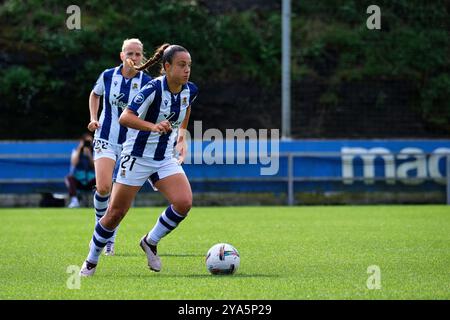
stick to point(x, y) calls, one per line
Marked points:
point(330, 43)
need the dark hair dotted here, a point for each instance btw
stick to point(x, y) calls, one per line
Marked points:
point(164, 53)
point(170, 53)
point(87, 140)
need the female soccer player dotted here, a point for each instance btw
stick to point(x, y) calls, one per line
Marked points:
point(158, 117)
point(118, 86)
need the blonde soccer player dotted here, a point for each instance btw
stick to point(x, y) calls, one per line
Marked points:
point(118, 86)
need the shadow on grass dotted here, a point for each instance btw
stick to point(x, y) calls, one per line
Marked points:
point(191, 276)
point(161, 255)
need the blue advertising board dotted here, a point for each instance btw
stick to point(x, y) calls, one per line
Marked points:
point(258, 165)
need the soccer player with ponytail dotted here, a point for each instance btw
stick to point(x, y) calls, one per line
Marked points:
point(118, 86)
point(157, 119)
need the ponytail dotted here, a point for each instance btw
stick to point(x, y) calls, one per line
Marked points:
point(157, 56)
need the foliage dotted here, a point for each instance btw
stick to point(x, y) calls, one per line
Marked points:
point(48, 63)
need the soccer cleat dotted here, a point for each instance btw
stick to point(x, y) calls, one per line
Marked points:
point(87, 269)
point(154, 263)
point(109, 249)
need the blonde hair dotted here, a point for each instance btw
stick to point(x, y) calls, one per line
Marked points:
point(126, 42)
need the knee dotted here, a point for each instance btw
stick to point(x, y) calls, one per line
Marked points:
point(183, 205)
point(103, 190)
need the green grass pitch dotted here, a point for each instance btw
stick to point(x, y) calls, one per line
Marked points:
point(286, 253)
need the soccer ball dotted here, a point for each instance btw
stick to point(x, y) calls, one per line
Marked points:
point(222, 258)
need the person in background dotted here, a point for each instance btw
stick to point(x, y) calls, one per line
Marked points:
point(82, 172)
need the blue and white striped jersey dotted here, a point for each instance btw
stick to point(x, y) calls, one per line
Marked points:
point(117, 93)
point(155, 103)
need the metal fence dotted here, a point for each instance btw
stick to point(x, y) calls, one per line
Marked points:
point(290, 178)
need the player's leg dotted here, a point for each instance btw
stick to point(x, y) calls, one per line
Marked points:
point(121, 199)
point(177, 190)
point(105, 156)
point(104, 168)
point(133, 175)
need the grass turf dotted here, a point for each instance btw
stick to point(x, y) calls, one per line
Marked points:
point(286, 253)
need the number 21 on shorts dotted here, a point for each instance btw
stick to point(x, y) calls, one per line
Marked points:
point(125, 164)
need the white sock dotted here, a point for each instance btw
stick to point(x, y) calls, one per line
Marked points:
point(100, 207)
point(99, 239)
point(167, 221)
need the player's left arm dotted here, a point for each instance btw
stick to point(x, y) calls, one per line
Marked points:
point(181, 146)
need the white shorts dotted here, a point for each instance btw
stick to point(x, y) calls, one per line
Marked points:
point(104, 149)
point(134, 171)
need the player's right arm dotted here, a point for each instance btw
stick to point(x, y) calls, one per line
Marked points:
point(129, 119)
point(94, 103)
point(140, 103)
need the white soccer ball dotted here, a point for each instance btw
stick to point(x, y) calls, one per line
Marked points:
point(222, 258)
